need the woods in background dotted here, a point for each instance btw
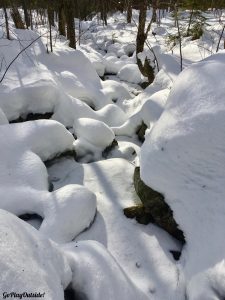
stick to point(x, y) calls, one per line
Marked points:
point(62, 13)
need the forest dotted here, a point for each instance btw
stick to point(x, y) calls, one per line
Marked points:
point(112, 149)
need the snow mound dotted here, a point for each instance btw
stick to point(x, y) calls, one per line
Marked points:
point(113, 64)
point(92, 266)
point(46, 138)
point(76, 74)
point(73, 86)
point(95, 132)
point(183, 158)
point(115, 91)
point(111, 115)
point(33, 96)
point(130, 73)
point(93, 137)
point(29, 262)
point(69, 211)
point(70, 109)
point(148, 113)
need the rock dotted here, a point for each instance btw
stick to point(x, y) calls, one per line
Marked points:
point(109, 148)
point(33, 117)
point(141, 132)
point(154, 204)
point(176, 254)
point(52, 161)
point(139, 213)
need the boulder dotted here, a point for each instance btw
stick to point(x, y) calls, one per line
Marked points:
point(154, 204)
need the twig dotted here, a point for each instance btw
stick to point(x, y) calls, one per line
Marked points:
point(221, 35)
point(3, 76)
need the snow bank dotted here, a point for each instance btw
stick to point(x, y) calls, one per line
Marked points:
point(29, 262)
point(183, 159)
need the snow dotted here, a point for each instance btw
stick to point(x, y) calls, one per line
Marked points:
point(137, 249)
point(115, 91)
point(3, 119)
point(34, 95)
point(148, 113)
point(66, 112)
point(70, 211)
point(113, 64)
point(93, 96)
point(182, 158)
point(93, 137)
point(130, 73)
point(95, 132)
point(66, 212)
point(94, 267)
point(30, 262)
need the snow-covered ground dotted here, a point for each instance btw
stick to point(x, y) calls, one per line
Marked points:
point(70, 176)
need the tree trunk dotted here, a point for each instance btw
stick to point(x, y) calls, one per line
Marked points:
point(179, 37)
point(69, 14)
point(6, 21)
point(190, 20)
point(129, 11)
point(62, 27)
point(103, 12)
point(16, 17)
point(50, 34)
point(145, 68)
point(154, 9)
point(51, 15)
point(26, 14)
point(31, 20)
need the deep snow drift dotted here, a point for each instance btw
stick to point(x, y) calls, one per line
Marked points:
point(183, 158)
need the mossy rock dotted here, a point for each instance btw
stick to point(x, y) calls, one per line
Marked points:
point(139, 213)
point(154, 204)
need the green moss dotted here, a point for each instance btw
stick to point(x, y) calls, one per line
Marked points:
point(155, 205)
